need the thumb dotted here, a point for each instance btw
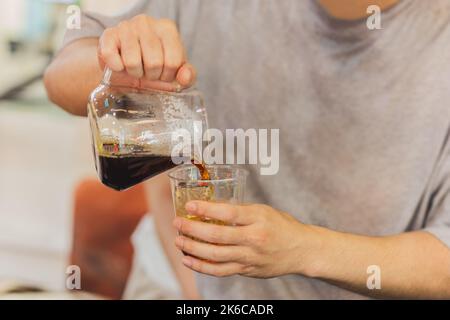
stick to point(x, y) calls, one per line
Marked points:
point(186, 75)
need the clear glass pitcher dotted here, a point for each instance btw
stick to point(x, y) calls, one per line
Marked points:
point(133, 130)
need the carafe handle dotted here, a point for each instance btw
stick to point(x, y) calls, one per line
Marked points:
point(107, 76)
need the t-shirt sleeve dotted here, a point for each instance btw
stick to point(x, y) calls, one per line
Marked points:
point(439, 223)
point(438, 220)
point(93, 24)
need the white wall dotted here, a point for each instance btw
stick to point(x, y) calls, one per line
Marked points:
point(13, 12)
point(111, 7)
point(12, 15)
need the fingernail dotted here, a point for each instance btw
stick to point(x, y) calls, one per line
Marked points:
point(177, 223)
point(187, 75)
point(187, 261)
point(191, 207)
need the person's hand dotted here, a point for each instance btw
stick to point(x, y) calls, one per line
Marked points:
point(258, 241)
point(146, 52)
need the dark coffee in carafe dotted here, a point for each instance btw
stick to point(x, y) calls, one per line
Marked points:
point(123, 172)
point(122, 168)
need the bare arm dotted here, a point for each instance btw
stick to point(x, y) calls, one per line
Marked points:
point(73, 74)
point(411, 265)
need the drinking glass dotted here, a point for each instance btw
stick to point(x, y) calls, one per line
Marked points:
point(226, 185)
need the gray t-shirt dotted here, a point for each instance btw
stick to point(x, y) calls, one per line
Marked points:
point(364, 115)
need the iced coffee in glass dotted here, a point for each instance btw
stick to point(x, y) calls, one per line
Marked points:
point(226, 184)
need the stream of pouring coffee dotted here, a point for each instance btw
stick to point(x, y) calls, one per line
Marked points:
point(204, 174)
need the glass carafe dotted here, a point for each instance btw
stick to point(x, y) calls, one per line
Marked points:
point(135, 131)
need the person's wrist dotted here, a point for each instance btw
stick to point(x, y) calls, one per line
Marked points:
point(309, 257)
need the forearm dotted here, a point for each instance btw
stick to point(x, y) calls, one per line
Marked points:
point(262, 242)
point(73, 74)
point(412, 265)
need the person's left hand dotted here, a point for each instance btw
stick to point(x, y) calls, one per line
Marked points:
point(258, 241)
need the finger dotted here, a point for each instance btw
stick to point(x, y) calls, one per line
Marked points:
point(173, 49)
point(228, 213)
point(152, 55)
point(109, 50)
point(159, 85)
point(186, 75)
point(215, 269)
point(130, 50)
point(124, 79)
point(208, 232)
point(175, 86)
point(208, 251)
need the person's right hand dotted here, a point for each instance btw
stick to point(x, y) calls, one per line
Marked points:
point(147, 53)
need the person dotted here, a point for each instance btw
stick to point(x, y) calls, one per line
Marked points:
point(364, 178)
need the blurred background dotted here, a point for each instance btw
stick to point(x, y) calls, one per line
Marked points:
point(52, 206)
